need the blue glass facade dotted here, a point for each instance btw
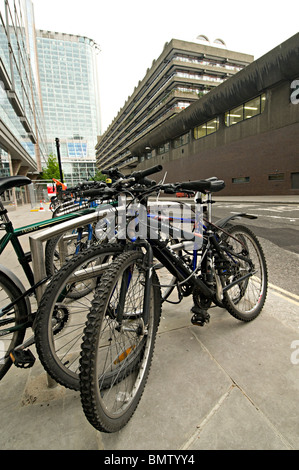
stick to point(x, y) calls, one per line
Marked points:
point(22, 137)
point(69, 87)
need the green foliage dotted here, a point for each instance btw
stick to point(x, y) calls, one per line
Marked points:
point(52, 169)
point(98, 177)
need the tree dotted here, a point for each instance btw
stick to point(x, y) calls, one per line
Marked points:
point(98, 177)
point(52, 169)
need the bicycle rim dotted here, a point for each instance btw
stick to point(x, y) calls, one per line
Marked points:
point(246, 298)
point(116, 357)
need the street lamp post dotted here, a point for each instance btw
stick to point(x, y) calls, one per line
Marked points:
point(59, 159)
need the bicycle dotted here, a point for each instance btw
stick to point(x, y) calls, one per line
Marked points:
point(67, 299)
point(16, 314)
point(229, 269)
point(60, 249)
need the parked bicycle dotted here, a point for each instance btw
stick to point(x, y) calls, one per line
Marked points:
point(67, 300)
point(16, 314)
point(228, 270)
point(61, 248)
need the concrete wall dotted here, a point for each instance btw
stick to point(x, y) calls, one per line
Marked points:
point(264, 145)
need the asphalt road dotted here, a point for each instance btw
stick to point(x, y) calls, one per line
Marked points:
point(277, 228)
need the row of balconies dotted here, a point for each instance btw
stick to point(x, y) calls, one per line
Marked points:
point(154, 97)
point(136, 127)
point(140, 100)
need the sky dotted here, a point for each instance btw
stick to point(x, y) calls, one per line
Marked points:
point(132, 33)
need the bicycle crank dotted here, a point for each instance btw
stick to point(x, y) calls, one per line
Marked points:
point(200, 316)
point(22, 358)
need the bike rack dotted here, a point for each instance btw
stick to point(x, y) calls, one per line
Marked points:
point(37, 239)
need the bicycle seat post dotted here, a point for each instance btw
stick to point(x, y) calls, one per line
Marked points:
point(3, 212)
point(209, 207)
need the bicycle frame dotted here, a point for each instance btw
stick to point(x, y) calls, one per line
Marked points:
point(12, 236)
point(184, 273)
point(37, 275)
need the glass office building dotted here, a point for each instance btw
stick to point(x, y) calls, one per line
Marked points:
point(22, 129)
point(69, 88)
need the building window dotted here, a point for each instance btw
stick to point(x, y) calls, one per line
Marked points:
point(276, 177)
point(163, 148)
point(240, 180)
point(205, 129)
point(295, 180)
point(182, 140)
point(246, 110)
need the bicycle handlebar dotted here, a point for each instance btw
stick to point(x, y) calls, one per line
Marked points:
point(139, 175)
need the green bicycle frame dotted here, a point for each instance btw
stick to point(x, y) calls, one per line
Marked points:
point(12, 236)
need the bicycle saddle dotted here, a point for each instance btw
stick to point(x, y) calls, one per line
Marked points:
point(8, 182)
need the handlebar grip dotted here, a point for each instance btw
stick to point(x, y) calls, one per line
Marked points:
point(97, 192)
point(149, 171)
point(199, 185)
point(147, 182)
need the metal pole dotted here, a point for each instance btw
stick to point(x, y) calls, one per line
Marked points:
point(59, 159)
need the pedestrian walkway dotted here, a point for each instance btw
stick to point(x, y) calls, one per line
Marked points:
point(227, 385)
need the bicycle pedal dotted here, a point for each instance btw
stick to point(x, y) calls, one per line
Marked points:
point(22, 358)
point(200, 316)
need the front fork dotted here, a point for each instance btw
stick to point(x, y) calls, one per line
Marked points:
point(126, 279)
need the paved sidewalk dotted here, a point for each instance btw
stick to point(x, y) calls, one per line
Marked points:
point(228, 385)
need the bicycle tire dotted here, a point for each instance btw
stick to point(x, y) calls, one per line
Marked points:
point(53, 260)
point(61, 317)
point(17, 315)
point(125, 377)
point(245, 300)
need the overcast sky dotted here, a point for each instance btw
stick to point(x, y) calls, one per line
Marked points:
point(132, 33)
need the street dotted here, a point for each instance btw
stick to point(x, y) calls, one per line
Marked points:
point(277, 228)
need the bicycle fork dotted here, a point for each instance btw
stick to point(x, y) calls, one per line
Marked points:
point(125, 284)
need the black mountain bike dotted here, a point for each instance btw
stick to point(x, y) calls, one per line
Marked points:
point(228, 270)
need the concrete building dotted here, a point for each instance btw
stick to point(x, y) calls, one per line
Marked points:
point(22, 127)
point(245, 131)
point(69, 88)
point(183, 74)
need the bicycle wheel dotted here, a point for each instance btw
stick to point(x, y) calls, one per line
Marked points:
point(59, 250)
point(246, 298)
point(116, 356)
point(63, 310)
point(11, 331)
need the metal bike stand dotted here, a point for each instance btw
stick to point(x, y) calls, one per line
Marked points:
point(37, 240)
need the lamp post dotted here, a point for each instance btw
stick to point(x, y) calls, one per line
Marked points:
point(59, 159)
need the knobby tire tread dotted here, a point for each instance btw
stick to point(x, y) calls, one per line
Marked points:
point(226, 303)
point(87, 362)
